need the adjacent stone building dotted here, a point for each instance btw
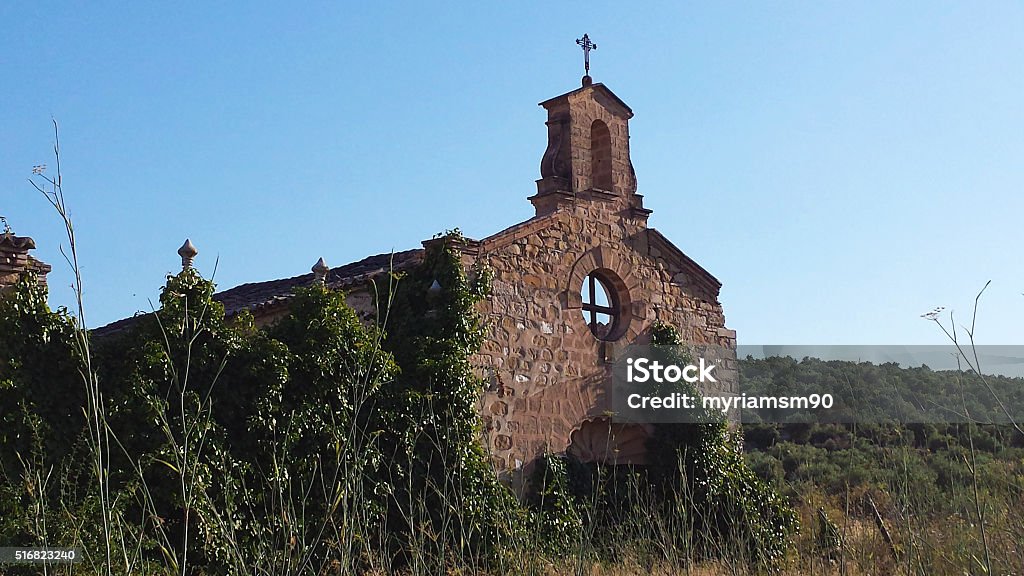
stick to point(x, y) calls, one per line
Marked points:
point(573, 285)
point(15, 260)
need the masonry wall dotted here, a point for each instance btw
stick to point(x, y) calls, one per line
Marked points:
point(15, 260)
point(547, 372)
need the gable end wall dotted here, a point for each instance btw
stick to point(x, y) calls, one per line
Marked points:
point(546, 372)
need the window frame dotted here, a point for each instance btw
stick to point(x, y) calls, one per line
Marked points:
point(590, 308)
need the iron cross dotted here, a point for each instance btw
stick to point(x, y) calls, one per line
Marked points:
point(587, 46)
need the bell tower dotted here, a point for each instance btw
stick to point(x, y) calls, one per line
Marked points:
point(587, 156)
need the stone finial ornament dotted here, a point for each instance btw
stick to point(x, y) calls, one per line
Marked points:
point(320, 270)
point(188, 253)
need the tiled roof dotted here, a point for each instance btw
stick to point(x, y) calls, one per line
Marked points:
point(257, 295)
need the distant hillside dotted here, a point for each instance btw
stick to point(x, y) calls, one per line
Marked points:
point(885, 393)
point(933, 461)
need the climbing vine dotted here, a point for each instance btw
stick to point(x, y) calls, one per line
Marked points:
point(437, 456)
point(321, 443)
point(702, 465)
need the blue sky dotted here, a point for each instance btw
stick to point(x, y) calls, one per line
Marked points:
point(840, 167)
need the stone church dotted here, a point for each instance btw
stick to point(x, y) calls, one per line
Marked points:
point(572, 286)
point(582, 279)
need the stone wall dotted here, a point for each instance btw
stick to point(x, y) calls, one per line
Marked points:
point(15, 259)
point(547, 372)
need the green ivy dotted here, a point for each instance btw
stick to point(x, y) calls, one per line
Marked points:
point(41, 419)
point(558, 503)
point(702, 465)
point(321, 441)
point(444, 478)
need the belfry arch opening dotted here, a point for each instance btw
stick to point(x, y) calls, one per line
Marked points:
point(600, 156)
